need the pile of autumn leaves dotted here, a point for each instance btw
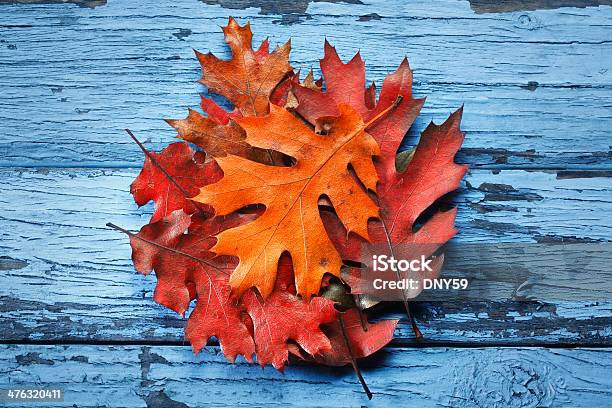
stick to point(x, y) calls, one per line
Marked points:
point(284, 191)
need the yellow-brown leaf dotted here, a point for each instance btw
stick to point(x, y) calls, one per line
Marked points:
point(249, 78)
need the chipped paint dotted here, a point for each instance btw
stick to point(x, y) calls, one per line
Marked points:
point(496, 6)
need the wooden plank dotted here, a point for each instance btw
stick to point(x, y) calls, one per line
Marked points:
point(491, 6)
point(133, 376)
point(536, 88)
point(66, 277)
point(500, 133)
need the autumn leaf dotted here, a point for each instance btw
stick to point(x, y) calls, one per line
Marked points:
point(362, 341)
point(345, 83)
point(248, 79)
point(291, 221)
point(430, 173)
point(426, 173)
point(351, 338)
point(187, 171)
point(219, 135)
point(216, 133)
point(187, 270)
point(283, 317)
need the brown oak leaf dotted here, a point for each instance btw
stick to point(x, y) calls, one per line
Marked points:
point(249, 77)
point(250, 80)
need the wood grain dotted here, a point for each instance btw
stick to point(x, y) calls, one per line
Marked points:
point(133, 376)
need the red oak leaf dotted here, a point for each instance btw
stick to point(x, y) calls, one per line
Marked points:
point(186, 172)
point(345, 83)
point(362, 343)
point(431, 173)
point(186, 269)
point(402, 194)
point(283, 316)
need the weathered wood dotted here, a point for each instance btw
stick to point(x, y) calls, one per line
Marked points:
point(499, 133)
point(492, 6)
point(66, 277)
point(437, 377)
point(535, 86)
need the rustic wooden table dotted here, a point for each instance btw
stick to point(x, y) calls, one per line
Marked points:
point(536, 81)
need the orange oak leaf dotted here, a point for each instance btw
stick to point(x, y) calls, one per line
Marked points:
point(291, 220)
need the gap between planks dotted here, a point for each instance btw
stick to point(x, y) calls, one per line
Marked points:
point(122, 166)
point(395, 344)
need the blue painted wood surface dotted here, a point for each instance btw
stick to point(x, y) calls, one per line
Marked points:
point(537, 91)
point(156, 376)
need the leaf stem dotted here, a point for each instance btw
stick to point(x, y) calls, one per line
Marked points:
point(383, 113)
point(415, 328)
point(176, 251)
point(362, 319)
point(353, 360)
